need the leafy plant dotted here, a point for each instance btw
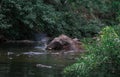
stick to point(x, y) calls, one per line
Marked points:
point(101, 58)
point(20, 19)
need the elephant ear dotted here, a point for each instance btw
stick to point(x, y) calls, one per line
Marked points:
point(64, 42)
point(57, 39)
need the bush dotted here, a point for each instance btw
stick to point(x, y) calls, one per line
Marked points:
point(101, 59)
point(20, 18)
point(76, 18)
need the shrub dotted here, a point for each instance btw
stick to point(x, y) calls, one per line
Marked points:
point(76, 18)
point(101, 58)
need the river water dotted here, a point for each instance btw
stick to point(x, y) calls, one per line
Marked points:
point(19, 60)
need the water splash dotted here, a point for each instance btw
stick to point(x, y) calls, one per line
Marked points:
point(42, 40)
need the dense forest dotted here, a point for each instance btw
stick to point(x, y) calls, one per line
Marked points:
point(84, 19)
point(21, 19)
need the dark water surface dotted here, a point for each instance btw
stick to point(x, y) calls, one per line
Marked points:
point(19, 60)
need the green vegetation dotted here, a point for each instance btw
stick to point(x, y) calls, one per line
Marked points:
point(20, 19)
point(102, 58)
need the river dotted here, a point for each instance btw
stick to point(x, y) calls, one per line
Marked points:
point(25, 60)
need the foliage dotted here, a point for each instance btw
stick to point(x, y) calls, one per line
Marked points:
point(102, 58)
point(16, 18)
point(20, 19)
point(117, 29)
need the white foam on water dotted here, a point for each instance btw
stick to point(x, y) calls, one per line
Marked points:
point(44, 66)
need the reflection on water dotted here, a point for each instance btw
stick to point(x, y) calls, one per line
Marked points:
point(28, 61)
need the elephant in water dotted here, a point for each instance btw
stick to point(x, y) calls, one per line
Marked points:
point(64, 42)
